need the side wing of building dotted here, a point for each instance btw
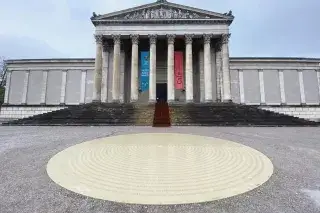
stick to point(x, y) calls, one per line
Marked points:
point(285, 85)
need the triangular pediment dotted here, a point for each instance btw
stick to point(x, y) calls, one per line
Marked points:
point(163, 10)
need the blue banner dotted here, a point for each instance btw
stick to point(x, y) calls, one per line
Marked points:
point(144, 70)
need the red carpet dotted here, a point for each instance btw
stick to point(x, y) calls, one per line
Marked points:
point(161, 115)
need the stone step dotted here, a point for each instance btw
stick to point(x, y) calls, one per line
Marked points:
point(185, 115)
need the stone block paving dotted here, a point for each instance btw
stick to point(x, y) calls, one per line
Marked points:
point(26, 187)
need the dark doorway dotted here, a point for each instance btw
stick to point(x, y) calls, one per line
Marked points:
point(161, 92)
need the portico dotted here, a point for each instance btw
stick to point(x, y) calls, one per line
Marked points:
point(200, 37)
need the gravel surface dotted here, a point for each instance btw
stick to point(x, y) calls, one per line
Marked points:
point(25, 186)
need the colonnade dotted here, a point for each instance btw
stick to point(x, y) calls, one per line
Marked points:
point(223, 70)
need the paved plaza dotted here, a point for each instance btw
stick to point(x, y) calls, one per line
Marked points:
point(293, 187)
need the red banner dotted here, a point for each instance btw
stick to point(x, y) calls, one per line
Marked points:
point(178, 70)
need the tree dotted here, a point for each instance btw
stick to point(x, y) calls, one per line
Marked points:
point(3, 72)
point(3, 77)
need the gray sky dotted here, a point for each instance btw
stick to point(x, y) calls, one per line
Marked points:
point(62, 28)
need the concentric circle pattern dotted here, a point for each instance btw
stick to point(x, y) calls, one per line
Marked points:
point(159, 168)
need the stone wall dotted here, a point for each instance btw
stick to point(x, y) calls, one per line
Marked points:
point(273, 81)
point(14, 112)
point(49, 82)
point(289, 85)
point(306, 112)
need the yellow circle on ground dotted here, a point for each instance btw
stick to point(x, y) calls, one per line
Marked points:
point(159, 168)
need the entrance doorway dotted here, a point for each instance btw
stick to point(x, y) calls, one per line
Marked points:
point(161, 92)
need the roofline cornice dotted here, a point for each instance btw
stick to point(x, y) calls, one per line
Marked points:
point(163, 21)
point(97, 19)
point(232, 59)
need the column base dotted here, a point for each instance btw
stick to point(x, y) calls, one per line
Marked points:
point(208, 101)
point(96, 101)
point(227, 101)
point(189, 101)
point(133, 101)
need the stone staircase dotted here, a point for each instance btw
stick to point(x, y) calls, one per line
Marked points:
point(94, 114)
point(217, 114)
point(230, 114)
point(161, 116)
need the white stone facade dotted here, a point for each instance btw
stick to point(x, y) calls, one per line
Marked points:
point(286, 85)
point(46, 76)
point(15, 112)
point(309, 112)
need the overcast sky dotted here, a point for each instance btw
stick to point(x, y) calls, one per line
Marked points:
point(62, 28)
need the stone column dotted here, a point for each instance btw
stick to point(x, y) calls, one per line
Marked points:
point(282, 89)
point(134, 68)
point(241, 87)
point(201, 75)
point(261, 83)
point(116, 69)
point(189, 69)
point(301, 84)
point(153, 67)
point(98, 70)
point(207, 68)
point(226, 68)
point(83, 86)
point(318, 78)
point(170, 68)
point(122, 76)
point(219, 72)
point(63, 87)
point(105, 70)
point(25, 87)
point(7, 88)
point(44, 87)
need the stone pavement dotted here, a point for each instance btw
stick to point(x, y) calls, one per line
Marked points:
point(159, 168)
point(26, 187)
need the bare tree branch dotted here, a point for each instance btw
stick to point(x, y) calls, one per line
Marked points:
point(3, 72)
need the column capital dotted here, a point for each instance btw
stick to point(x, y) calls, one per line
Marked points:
point(207, 38)
point(188, 38)
point(134, 38)
point(225, 38)
point(98, 38)
point(116, 39)
point(153, 38)
point(171, 38)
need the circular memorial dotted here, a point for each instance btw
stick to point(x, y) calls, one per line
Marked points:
point(159, 168)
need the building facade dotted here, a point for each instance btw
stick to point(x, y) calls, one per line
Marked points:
point(163, 51)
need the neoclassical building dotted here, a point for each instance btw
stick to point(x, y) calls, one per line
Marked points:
point(163, 51)
point(161, 30)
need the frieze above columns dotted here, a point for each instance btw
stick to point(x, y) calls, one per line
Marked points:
point(163, 13)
